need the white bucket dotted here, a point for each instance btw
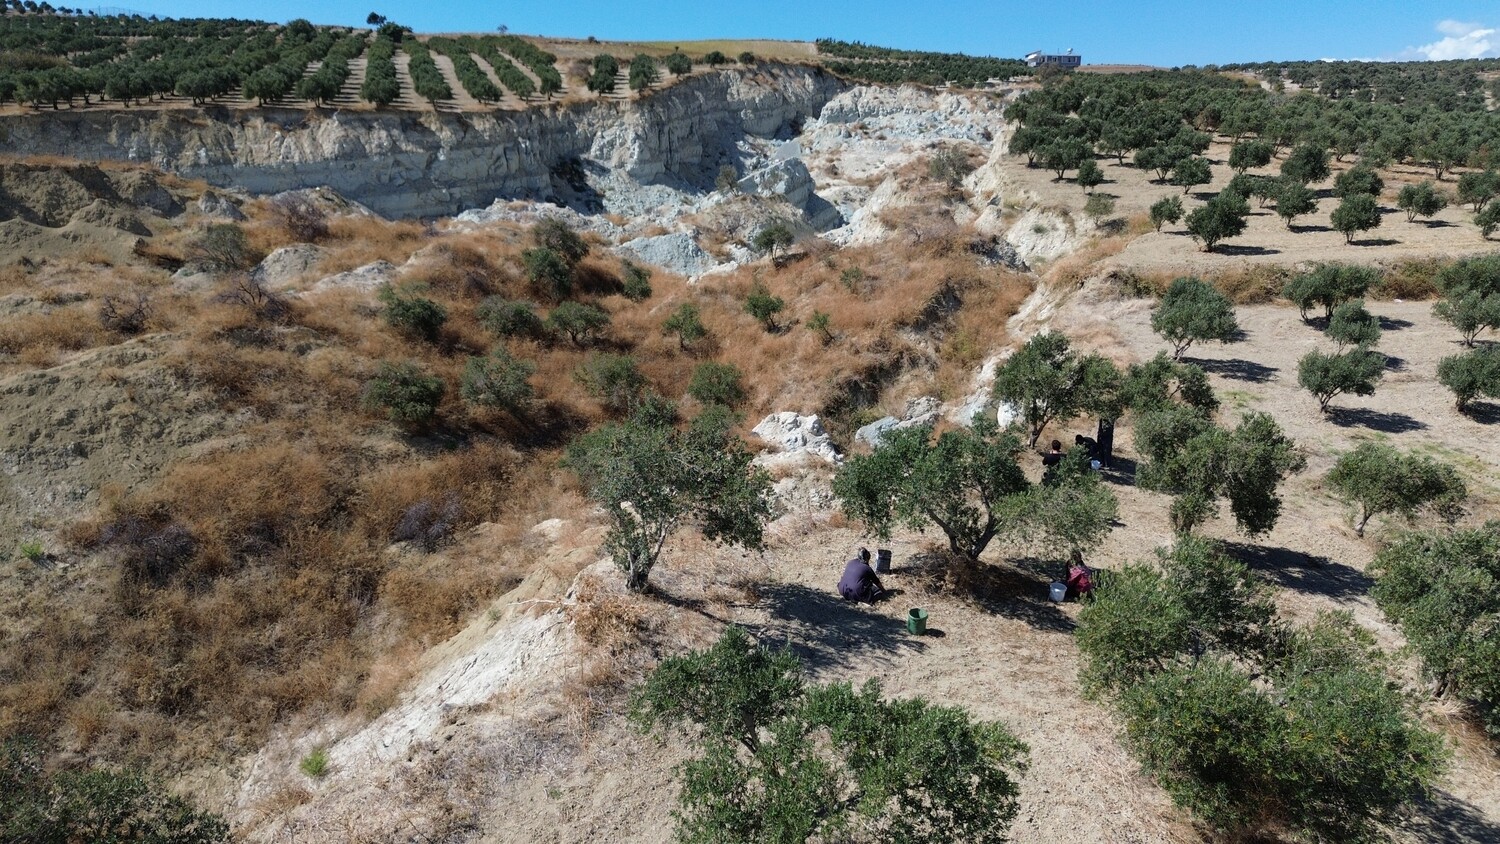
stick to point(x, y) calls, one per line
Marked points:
point(1059, 591)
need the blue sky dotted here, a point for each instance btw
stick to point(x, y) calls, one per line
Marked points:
point(1162, 32)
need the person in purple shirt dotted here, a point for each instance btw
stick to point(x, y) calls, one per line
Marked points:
point(859, 582)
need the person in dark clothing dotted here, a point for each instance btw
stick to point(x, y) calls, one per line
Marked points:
point(1055, 456)
point(1106, 451)
point(859, 582)
point(1089, 446)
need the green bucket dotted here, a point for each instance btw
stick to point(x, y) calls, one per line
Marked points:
point(916, 621)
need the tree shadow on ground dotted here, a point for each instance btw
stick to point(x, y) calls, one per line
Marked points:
point(1444, 817)
point(1485, 413)
point(1312, 227)
point(1375, 420)
point(1121, 471)
point(1438, 224)
point(1235, 368)
point(1232, 249)
point(1395, 364)
point(826, 631)
point(1017, 588)
point(1307, 573)
point(1394, 324)
point(1375, 241)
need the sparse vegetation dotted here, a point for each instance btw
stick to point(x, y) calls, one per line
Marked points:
point(762, 304)
point(717, 383)
point(411, 313)
point(687, 323)
point(498, 380)
point(579, 320)
point(315, 763)
point(405, 393)
point(39, 805)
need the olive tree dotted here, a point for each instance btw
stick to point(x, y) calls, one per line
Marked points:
point(1472, 374)
point(1477, 189)
point(1163, 384)
point(1352, 325)
point(1293, 200)
point(1376, 479)
point(1329, 285)
point(1197, 462)
point(1471, 296)
point(1089, 175)
point(1247, 154)
point(1307, 164)
point(1193, 311)
point(1439, 586)
point(1168, 209)
point(959, 482)
point(1191, 172)
point(1049, 382)
point(1361, 178)
point(1219, 219)
point(1258, 726)
point(1326, 376)
point(653, 480)
point(1358, 212)
point(780, 760)
point(1420, 200)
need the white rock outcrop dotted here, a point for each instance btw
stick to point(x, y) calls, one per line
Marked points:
point(798, 438)
point(368, 277)
point(286, 265)
point(428, 164)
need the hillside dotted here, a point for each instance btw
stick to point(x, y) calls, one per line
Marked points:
point(297, 403)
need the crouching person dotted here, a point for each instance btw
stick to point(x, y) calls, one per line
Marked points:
point(859, 582)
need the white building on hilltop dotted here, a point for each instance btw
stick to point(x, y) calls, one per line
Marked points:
point(1067, 61)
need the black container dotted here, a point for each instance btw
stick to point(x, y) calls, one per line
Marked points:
point(883, 561)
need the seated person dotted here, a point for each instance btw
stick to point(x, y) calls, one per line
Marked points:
point(859, 582)
point(1055, 456)
point(1080, 578)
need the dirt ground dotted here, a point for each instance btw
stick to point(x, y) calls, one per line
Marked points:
point(1012, 658)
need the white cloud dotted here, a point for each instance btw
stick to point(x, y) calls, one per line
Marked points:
point(1463, 41)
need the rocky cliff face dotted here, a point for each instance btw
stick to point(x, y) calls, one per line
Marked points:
point(429, 164)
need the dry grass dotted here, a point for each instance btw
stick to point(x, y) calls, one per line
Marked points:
point(298, 567)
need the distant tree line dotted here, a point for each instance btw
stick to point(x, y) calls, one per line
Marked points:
point(881, 64)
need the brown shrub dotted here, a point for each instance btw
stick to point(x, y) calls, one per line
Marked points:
point(65, 329)
point(1253, 284)
point(1414, 278)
